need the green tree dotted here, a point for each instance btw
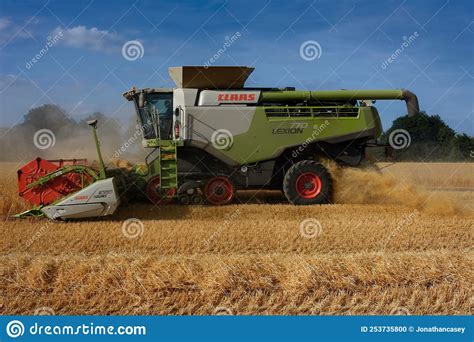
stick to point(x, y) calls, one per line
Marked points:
point(431, 139)
point(464, 144)
point(48, 116)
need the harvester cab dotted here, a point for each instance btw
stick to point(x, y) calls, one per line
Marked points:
point(156, 114)
point(154, 108)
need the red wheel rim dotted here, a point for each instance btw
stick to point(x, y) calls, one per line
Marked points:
point(157, 195)
point(219, 190)
point(308, 185)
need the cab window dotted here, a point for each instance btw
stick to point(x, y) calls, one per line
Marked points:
point(162, 103)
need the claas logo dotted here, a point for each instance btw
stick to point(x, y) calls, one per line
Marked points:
point(236, 97)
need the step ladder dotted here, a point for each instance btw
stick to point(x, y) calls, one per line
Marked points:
point(168, 167)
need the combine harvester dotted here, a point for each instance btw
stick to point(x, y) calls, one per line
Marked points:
point(211, 136)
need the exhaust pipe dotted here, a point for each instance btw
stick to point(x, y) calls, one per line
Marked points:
point(343, 95)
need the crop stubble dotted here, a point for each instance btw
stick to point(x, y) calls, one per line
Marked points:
point(386, 247)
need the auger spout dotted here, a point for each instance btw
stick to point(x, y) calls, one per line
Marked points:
point(343, 95)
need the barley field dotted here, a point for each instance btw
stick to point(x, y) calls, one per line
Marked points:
point(395, 242)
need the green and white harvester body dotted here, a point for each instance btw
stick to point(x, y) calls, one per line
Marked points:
point(227, 137)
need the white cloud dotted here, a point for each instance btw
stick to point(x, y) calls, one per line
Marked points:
point(9, 31)
point(4, 23)
point(89, 38)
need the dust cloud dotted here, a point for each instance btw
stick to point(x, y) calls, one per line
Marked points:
point(363, 186)
point(69, 138)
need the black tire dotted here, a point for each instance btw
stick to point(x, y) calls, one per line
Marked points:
point(184, 199)
point(308, 168)
point(197, 199)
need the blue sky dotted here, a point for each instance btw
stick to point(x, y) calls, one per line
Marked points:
point(85, 71)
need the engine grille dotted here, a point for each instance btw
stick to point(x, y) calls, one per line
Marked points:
point(321, 112)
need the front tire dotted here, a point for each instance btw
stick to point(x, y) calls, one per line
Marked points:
point(308, 182)
point(156, 194)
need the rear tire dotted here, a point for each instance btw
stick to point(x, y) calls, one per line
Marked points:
point(308, 182)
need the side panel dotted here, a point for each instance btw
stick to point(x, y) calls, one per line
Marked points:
point(98, 199)
point(268, 137)
point(204, 121)
point(213, 129)
point(256, 137)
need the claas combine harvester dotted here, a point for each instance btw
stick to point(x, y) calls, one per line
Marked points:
point(211, 136)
